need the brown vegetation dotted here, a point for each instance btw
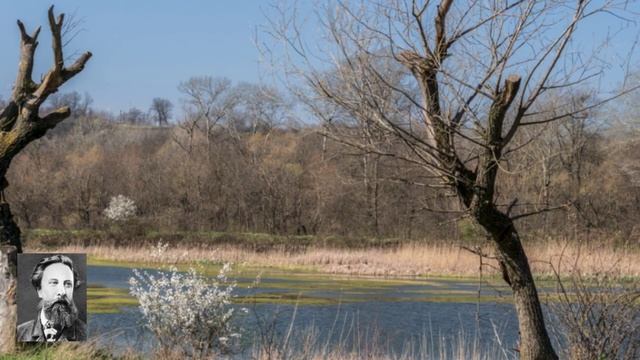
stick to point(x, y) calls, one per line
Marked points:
point(289, 181)
point(408, 260)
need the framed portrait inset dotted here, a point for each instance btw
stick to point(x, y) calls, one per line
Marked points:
point(52, 297)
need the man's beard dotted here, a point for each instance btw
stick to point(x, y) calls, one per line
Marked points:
point(61, 312)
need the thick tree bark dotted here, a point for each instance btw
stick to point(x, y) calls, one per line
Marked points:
point(476, 189)
point(9, 231)
point(8, 314)
point(534, 339)
point(535, 343)
point(10, 246)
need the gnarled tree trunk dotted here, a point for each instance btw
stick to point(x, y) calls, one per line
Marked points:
point(476, 190)
point(20, 124)
point(534, 339)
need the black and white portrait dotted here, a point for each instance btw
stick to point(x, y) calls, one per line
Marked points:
point(52, 297)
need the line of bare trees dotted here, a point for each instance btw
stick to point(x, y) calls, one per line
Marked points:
point(240, 161)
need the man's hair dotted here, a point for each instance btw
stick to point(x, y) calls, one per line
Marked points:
point(38, 270)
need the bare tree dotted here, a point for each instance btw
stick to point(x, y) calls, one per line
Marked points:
point(133, 116)
point(78, 104)
point(262, 107)
point(161, 111)
point(208, 102)
point(475, 74)
point(20, 124)
point(576, 139)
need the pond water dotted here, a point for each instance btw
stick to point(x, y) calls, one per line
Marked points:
point(395, 314)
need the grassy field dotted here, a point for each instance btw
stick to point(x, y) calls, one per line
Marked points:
point(254, 241)
point(65, 351)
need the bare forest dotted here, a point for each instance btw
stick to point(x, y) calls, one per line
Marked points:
point(253, 165)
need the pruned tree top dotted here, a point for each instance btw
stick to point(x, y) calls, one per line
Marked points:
point(20, 121)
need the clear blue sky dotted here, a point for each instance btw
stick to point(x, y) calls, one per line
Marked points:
point(142, 49)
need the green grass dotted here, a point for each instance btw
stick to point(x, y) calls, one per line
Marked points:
point(58, 232)
point(63, 351)
point(108, 300)
point(133, 234)
point(286, 299)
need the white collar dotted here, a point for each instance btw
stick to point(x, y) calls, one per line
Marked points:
point(43, 318)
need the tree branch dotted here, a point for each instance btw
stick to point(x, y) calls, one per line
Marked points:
point(536, 212)
point(499, 109)
point(52, 119)
point(28, 44)
point(575, 112)
point(440, 24)
point(56, 43)
point(58, 74)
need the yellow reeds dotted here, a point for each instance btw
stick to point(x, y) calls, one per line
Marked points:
point(413, 259)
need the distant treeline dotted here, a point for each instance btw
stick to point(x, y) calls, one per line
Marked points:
point(238, 161)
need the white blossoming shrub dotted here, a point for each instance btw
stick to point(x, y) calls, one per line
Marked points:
point(121, 208)
point(188, 313)
point(159, 252)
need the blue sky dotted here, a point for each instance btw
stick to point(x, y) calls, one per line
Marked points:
point(142, 49)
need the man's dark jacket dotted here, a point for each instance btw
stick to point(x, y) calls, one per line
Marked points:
point(31, 331)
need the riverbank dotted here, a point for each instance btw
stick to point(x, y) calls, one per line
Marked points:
point(408, 260)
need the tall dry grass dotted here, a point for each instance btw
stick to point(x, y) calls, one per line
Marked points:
point(406, 260)
point(306, 346)
point(456, 347)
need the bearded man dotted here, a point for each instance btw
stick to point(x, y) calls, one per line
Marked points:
point(54, 279)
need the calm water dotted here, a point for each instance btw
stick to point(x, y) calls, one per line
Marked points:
point(395, 316)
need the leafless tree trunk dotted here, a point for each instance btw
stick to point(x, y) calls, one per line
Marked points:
point(161, 110)
point(573, 142)
point(210, 101)
point(20, 124)
point(371, 182)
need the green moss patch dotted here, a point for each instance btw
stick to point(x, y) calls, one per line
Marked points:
point(108, 300)
point(285, 299)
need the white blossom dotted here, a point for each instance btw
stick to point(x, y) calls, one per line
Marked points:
point(159, 251)
point(187, 311)
point(120, 208)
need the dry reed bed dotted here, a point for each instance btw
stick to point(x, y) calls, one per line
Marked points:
point(406, 260)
